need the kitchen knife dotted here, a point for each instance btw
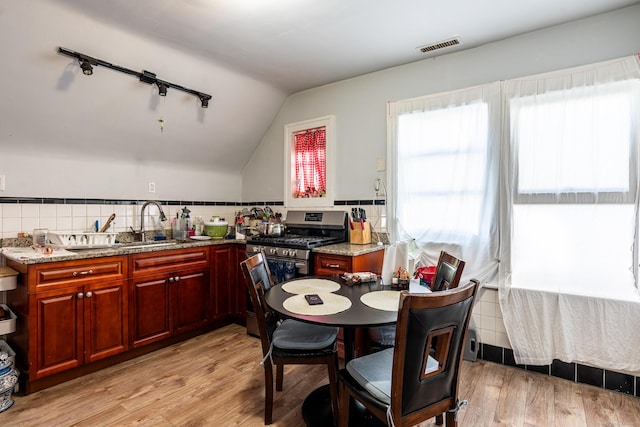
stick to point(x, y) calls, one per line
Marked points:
point(108, 223)
point(363, 217)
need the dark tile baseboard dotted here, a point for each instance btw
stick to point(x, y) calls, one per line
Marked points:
point(610, 380)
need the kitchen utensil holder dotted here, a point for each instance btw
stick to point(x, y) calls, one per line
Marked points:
point(361, 234)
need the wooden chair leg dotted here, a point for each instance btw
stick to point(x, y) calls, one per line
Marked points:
point(439, 420)
point(279, 376)
point(268, 393)
point(332, 367)
point(343, 405)
point(451, 420)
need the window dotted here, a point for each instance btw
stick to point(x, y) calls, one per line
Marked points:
point(309, 174)
point(444, 178)
point(574, 187)
point(443, 153)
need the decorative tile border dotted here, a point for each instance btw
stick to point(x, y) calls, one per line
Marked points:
point(70, 201)
point(602, 378)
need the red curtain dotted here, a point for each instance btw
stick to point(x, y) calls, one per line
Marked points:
point(310, 158)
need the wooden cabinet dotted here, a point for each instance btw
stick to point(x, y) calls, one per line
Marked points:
point(79, 316)
point(169, 293)
point(75, 311)
point(339, 264)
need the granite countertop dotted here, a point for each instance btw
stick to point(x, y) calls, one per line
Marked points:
point(348, 249)
point(27, 255)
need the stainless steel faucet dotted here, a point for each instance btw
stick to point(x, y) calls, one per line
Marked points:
point(163, 217)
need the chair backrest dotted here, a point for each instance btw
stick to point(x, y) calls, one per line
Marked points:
point(448, 272)
point(258, 279)
point(430, 336)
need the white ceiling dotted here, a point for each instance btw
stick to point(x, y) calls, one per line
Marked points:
point(299, 44)
point(248, 54)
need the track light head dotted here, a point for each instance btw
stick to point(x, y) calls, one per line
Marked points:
point(204, 100)
point(162, 89)
point(87, 69)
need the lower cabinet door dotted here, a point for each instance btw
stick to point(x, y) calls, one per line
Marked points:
point(106, 320)
point(59, 339)
point(190, 300)
point(151, 320)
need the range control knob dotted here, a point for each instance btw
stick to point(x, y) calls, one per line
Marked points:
point(273, 251)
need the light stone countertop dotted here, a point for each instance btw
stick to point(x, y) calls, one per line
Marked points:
point(347, 249)
point(28, 256)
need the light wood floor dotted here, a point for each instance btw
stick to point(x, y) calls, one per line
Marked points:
point(215, 380)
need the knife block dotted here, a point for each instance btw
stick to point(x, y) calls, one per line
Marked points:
point(360, 236)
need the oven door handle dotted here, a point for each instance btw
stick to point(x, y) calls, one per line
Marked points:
point(300, 264)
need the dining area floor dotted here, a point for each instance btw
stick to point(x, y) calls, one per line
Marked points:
point(215, 380)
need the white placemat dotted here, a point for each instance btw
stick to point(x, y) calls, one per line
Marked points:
point(382, 300)
point(332, 304)
point(310, 286)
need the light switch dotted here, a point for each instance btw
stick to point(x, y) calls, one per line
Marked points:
point(382, 164)
point(1, 182)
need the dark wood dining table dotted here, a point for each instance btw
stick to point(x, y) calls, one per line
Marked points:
point(316, 409)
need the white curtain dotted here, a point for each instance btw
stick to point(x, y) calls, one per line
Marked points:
point(568, 209)
point(444, 170)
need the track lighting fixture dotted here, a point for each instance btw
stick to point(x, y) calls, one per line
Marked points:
point(162, 89)
point(204, 100)
point(87, 69)
point(87, 63)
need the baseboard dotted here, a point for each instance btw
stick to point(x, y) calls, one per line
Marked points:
point(610, 380)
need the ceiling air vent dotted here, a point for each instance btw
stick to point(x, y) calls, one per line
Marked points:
point(440, 45)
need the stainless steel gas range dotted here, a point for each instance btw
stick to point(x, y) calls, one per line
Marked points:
point(290, 255)
point(305, 230)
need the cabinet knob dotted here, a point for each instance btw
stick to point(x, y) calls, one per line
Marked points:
point(89, 294)
point(80, 295)
point(171, 279)
point(177, 278)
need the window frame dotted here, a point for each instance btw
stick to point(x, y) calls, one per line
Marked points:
point(290, 130)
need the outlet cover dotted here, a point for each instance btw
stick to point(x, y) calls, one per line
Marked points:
point(1, 182)
point(152, 187)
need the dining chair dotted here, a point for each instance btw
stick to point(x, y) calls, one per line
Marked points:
point(447, 276)
point(287, 341)
point(418, 378)
point(448, 272)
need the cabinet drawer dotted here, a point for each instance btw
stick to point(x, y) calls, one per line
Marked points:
point(167, 261)
point(327, 264)
point(71, 273)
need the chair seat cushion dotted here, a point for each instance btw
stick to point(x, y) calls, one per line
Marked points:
point(295, 335)
point(373, 372)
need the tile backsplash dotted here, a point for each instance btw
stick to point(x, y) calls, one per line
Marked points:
point(25, 215)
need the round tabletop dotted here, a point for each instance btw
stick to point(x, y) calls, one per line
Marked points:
point(358, 315)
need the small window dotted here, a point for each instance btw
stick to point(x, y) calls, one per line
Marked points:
point(309, 176)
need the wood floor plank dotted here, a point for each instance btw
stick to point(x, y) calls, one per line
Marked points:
point(216, 380)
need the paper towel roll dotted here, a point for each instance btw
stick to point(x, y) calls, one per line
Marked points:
point(402, 255)
point(388, 264)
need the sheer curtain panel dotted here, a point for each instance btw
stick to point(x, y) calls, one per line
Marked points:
point(569, 216)
point(444, 173)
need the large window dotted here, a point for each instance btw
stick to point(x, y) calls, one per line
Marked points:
point(445, 175)
point(557, 214)
point(574, 206)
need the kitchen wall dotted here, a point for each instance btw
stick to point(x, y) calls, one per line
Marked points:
point(360, 106)
point(67, 135)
